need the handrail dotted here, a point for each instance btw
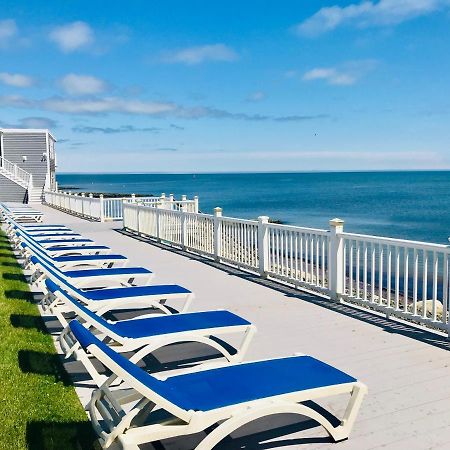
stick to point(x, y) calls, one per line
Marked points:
point(16, 172)
point(398, 277)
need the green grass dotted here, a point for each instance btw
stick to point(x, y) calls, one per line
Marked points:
point(39, 408)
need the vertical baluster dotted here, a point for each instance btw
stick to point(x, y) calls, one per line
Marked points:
point(311, 258)
point(291, 255)
point(350, 268)
point(306, 257)
point(296, 256)
point(445, 287)
point(302, 278)
point(344, 261)
point(406, 279)
point(277, 247)
point(365, 271)
point(373, 272)
point(324, 243)
point(435, 283)
point(425, 284)
point(288, 254)
point(317, 261)
point(389, 277)
point(380, 273)
point(358, 267)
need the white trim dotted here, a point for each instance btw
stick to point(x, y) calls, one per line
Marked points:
point(27, 130)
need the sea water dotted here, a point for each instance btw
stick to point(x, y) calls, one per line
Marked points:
point(408, 205)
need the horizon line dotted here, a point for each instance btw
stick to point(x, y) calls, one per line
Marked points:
point(256, 172)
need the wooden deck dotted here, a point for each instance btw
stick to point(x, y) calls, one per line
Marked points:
point(406, 369)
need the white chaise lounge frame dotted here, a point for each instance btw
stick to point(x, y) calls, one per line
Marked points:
point(109, 403)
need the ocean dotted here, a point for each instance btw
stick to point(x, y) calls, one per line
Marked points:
point(407, 205)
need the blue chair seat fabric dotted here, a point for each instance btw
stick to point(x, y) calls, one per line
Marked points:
point(230, 385)
point(88, 258)
point(135, 291)
point(80, 247)
point(62, 241)
point(114, 271)
point(176, 323)
point(66, 235)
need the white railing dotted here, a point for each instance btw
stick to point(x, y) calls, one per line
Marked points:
point(406, 278)
point(82, 205)
point(16, 173)
point(105, 208)
point(403, 278)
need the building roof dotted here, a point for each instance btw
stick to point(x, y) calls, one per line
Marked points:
point(27, 130)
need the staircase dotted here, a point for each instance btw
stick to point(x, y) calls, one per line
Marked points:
point(16, 184)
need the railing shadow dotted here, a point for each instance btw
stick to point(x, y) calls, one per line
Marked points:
point(53, 435)
point(392, 325)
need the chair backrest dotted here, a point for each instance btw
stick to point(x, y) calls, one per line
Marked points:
point(79, 309)
point(143, 382)
point(55, 274)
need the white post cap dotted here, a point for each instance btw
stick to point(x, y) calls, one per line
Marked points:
point(336, 222)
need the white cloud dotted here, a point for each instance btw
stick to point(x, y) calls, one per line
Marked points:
point(368, 13)
point(75, 84)
point(8, 29)
point(256, 96)
point(142, 107)
point(38, 122)
point(331, 75)
point(16, 79)
point(197, 55)
point(72, 36)
point(32, 122)
point(347, 74)
point(106, 105)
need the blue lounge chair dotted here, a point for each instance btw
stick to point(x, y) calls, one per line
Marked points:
point(144, 335)
point(107, 299)
point(68, 260)
point(225, 398)
point(61, 250)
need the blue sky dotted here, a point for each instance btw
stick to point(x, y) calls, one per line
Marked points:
point(231, 86)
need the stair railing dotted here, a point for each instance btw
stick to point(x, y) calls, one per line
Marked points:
point(16, 172)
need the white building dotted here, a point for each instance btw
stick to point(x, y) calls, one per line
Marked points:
point(27, 164)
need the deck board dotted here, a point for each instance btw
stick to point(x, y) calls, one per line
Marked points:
point(407, 370)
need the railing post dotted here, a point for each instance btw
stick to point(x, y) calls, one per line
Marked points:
point(336, 260)
point(102, 212)
point(217, 234)
point(158, 232)
point(263, 245)
point(183, 230)
point(83, 196)
point(196, 204)
point(183, 205)
point(91, 196)
point(162, 200)
point(171, 202)
point(133, 198)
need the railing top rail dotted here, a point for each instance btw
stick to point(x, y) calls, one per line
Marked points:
point(298, 229)
point(203, 215)
point(235, 219)
point(394, 241)
point(20, 173)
